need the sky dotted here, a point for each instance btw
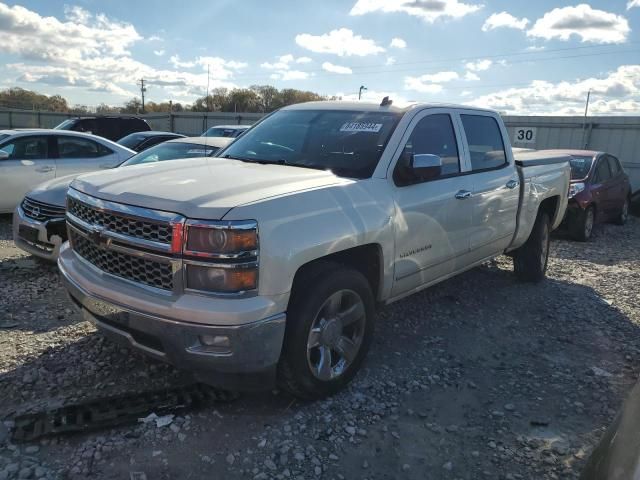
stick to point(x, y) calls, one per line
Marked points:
point(519, 57)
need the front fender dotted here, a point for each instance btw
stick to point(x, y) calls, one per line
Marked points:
point(298, 228)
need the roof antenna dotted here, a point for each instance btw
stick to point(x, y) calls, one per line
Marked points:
point(386, 102)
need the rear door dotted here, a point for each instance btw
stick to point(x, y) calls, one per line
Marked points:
point(76, 155)
point(619, 189)
point(432, 224)
point(28, 164)
point(602, 188)
point(495, 184)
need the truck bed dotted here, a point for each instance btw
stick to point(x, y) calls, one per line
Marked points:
point(537, 158)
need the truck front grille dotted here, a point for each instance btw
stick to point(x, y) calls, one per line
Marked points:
point(136, 269)
point(41, 211)
point(143, 229)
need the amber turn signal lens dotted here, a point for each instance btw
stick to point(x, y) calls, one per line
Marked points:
point(221, 280)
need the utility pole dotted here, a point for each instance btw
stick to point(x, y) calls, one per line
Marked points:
point(142, 90)
point(208, 105)
point(584, 122)
point(362, 87)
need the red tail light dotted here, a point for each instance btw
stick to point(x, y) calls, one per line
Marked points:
point(177, 237)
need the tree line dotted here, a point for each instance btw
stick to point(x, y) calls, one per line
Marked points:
point(256, 98)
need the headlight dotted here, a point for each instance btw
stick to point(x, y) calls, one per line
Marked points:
point(221, 239)
point(222, 280)
point(575, 188)
point(221, 257)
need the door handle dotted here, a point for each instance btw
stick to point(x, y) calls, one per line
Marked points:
point(462, 194)
point(511, 184)
point(44, 169)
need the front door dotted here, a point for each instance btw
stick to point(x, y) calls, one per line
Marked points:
point(495, 185)
point(25, 164)
point(433, 215)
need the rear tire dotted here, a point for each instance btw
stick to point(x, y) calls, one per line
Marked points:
point(624, 213)
point(582, 225)
point(530, 260)
point(330, 322)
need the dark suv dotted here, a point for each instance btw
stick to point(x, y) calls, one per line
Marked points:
point(113, 128)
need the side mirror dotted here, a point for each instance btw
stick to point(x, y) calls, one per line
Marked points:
point(426, 165)
point(3, 155)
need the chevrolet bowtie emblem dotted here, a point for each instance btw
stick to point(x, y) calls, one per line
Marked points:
point(97, 236)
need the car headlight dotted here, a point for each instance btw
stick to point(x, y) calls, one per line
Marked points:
point(221, 257)
point(575, 188)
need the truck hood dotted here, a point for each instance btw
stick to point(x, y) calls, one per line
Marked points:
point(54, 191)
point(205, 188)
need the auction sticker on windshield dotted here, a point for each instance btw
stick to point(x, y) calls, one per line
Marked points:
point(361, 127)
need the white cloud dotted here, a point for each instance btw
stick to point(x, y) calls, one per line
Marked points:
point(92, 51)
point(427, 10)
point(330, 67)
point(390, 61)
point(399, 43)
point(633, 3)
point(617, 92)
point(471, 77)
point(159, 53)
point(466, 93)
point(535, 48)
point(479, 66)
point(177, 63)
point(504, 20)
point(429, 83)
point(341, 42)
point(154, 38)
point(282, 68)
point(589, 24)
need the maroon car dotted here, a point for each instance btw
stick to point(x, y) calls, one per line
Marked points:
point(599, 192)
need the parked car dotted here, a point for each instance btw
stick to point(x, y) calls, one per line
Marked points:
point(113, 128)
point(266, 264)
point(30, 157)
point(39, 221)
point(599, 192)
point(140, 141)
point(226, 131)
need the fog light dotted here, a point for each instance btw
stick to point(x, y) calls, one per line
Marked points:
point(221, 341)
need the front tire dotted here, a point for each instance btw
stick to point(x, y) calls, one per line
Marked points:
point(582, 226)
point(530, 260)
point(330, 323)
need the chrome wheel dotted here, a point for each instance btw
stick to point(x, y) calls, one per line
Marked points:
point(588, 223)
point(336, 335)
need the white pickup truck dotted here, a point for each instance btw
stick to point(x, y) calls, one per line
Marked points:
point(266, 265)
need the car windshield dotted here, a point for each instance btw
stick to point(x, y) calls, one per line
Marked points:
point(171, 151)
point(131, 141)
point(580, 167)
point(66, 125)
point(349, 143)
point(223, 132)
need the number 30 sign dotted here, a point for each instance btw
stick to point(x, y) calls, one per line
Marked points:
point(525, 135)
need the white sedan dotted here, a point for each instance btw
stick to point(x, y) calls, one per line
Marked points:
point(30, 157)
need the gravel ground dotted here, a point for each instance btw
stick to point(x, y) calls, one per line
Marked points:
point(479, 377)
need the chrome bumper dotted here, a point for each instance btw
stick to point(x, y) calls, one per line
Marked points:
point(247, 361)
point(46, 246)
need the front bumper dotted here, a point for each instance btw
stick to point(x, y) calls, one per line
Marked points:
point(247, 363)
point(48, 241)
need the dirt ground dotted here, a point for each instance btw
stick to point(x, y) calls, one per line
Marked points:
point(479, 377)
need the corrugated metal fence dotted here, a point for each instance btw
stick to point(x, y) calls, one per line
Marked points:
point(617, 135)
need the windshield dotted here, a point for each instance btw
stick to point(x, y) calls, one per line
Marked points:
point(132, 141)
point(223, 132)
point(349, 143)
point(580, 167)
point(170, 151)
point(66, 125)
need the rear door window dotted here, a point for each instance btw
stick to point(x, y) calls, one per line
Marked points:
point(71, 147)
point(486, 147)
